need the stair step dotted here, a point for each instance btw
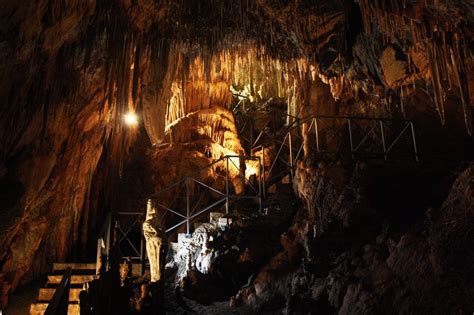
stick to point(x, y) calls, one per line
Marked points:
point(75, 279)
point(40, 307)
point(74, 266)
point(46, 294)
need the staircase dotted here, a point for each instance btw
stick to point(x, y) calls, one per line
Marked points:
point(81, 273)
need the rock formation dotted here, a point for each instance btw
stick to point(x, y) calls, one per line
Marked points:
point(155, 238)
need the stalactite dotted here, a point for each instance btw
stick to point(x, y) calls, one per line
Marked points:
point(436, 36)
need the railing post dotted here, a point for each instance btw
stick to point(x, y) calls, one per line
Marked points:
point(260, 185)
point(107, 234)
point(263, 170)
point(60, 300)
point(227, 186)
point(251, 133)
point(142, 253)
point(291, 154)
point(187, 206)
point(415, 148)
point(383, 140)
point(99, 255)
point(316, 133)
point(350, 138)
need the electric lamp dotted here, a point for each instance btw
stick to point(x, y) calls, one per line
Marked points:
point(131, 119)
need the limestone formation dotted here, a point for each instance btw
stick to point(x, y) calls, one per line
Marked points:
point(155, 238)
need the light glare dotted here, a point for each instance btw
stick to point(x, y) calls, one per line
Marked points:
point(131, 119)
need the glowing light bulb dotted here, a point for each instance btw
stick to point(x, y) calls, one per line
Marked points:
point(130, 119)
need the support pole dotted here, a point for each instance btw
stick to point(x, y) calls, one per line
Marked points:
point(262, 177)
point(227, 186)
point(187, 207)
point(383, 140)
point(107, 237)
point(251, 135)
point(99, 256)
point(291, 154)
point(415, 148)
point(260, 185)
point(316, 133)
point(142, 253)
point(350, 138)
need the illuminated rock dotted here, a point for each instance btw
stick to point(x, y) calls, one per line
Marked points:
point(154, 237)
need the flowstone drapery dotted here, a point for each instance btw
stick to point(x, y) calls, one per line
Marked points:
point(154, 237)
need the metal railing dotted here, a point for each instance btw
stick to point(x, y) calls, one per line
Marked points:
point(190, 196)
point(361, 137)
point(182, 190)
point(384, 133)
point(59, 303)
point(129, 237)
point(185, 209)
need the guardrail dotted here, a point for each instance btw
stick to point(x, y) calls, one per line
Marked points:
point(289, 144)
point(59, 303)
point(182, 190)
point(187, 186)
point(117, 231)
point(129, 236)
point(366, 137)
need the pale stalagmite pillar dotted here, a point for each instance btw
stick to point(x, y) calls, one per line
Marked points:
point(154, 237)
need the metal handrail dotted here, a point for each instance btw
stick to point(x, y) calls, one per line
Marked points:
point(124, 235)
point(289, 139)
point(226, 195)
point(348, 120)
point(59, 303)
point(181, 180)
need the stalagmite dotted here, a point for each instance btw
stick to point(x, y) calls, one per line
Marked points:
point(155, 237)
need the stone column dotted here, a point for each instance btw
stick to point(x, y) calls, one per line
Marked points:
point(154, 237)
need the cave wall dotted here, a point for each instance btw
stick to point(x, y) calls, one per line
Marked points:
point(71, 69)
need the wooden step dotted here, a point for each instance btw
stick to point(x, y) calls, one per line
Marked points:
point(73, 266)
point(46, 294)
point(40, 308)
point(75, 279)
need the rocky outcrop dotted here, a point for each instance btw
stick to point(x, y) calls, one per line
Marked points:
point(225, 254)
point(398, 273)
point(329, 194)
point(54, 159)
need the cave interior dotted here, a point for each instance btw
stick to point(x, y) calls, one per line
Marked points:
point(244, 156)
